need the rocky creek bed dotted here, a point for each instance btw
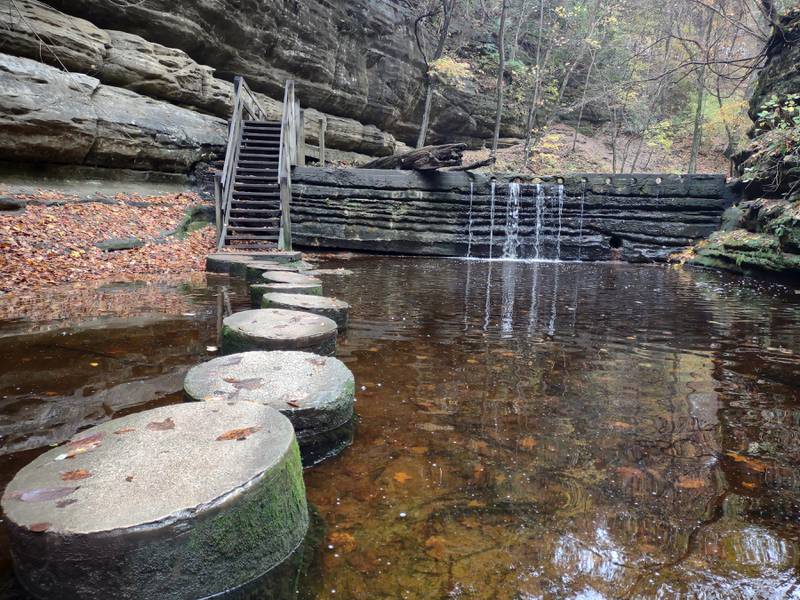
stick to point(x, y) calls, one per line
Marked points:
point(515, 425)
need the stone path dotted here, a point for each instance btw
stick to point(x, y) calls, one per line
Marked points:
point(319, 305)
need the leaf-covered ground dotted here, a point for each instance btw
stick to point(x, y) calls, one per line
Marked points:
point(48, 243)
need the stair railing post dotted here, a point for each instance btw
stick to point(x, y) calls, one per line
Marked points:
point(300, 159)
point(218, 204)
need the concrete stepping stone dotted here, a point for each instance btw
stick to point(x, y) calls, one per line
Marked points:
point(315, 392)
point(256, 268)
point(257, 290)
point(278, 329)
point(318, 272)
point(222, 261)
point(182, 501)
point(282, 277)
point(332, 308)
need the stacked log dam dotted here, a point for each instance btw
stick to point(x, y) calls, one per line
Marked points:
point(639, 218)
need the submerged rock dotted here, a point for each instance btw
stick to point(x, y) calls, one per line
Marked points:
point(182, 501)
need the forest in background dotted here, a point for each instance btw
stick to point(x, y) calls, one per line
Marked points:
point(618, 85)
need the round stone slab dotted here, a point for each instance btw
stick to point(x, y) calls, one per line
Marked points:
point(256, 268)
point(280, 277)
point(182, 501)
point(278, 329)
point(319, 305)
point(317, 272)
point(257, 290)
point(315, 392)
point(222, 262)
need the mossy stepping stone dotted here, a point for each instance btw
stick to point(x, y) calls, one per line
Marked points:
point(332, 308)
point(283, 277)
point(278, 329)
point(182, 501)
point(317, 272)
point(222, 262)
point(315, 392)
point(257, 290)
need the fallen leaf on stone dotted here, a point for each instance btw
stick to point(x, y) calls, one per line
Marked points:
point(39, 527)
point(435, 546)
point(43, 494)
point(238, 434)
point(129, 478)
point(67, 502)
point(75, 475)
point(690, 483)
point(244, 384)
point(164, 425)
point(319, 362)
point(87, 440)
point(125, 430)
point(401, 477)
point(293, 404)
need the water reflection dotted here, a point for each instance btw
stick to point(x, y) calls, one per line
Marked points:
point(526, 430)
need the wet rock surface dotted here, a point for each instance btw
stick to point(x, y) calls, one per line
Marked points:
point(278, 329)
point(284, 277)
point(152, 505)
point(257, 290)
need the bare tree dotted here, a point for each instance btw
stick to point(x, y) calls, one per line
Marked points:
point(500, 77)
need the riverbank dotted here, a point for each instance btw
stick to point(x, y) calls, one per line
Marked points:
point(49, 237)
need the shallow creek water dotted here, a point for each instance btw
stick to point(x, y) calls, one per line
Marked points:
point(526, 430)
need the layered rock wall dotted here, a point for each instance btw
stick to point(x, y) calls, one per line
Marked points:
point(589, 217)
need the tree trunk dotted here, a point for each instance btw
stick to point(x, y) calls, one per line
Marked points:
point(537, 85)
point(426, 113)
point(698, 115)
point(500, 72)
point(583, 99)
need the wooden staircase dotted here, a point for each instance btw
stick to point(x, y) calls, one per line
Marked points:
point(255, 209)
point(253, 192)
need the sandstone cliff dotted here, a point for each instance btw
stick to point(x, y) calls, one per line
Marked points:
point(763, 231)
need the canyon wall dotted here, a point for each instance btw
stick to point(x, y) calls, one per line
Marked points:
point(639, 218)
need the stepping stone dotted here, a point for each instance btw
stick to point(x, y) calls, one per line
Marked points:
point(319, 305)
point(328, 444)
point(256, 268)
point(315, 392)
point(182, 501)
point(257, 290)
point(277, 257)
point(282, 277)
point(317, 272)
point(278, 329)
point(222, 261)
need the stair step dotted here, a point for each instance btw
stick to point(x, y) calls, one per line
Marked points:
point(256, 213)
point(262, 173)
point(254, 155)
point(261, 134)
point(254, 238)
point(264, 187)
point(261, 123)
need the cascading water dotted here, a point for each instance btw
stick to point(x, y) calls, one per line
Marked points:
point(560, 212)
point(469, 225)
point(511, 243)
point(580, 221)
point(540, 208)
point(491, 220)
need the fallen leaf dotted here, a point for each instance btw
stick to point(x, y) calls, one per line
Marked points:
point(87, 440)
point(244, 384)
point(401, 477)
point(752, 463)
point(44, 494)
point(293, 404)
point(630, 472)
point(67, 502)
point(238, 434)
point(75, 475)
point(342, 541)
point(124, 430)
point(129, 478)
point(39, 527)
point(690, 483)
point(621, 425)
point(164, 425)
point(94, 364)
point(419, 449)
point(528, 443)
point(435, 546)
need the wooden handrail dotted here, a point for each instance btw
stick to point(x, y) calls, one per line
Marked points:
point(289, 156)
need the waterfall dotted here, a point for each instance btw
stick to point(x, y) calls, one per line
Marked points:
point(469, 225)
point(491, 220)
point(511, 243)
point(560, 212)
point(540, 206)
point(580, 222)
